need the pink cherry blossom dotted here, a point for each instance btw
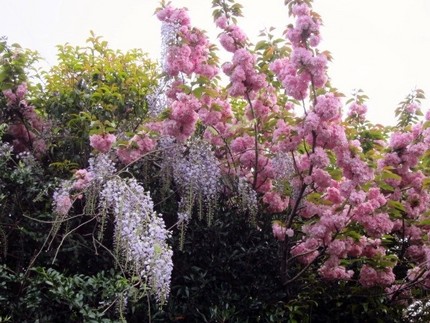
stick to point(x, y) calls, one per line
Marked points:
point(275, 202)
point(279, 231)
point(102, 143)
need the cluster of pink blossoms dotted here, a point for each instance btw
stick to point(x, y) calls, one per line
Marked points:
point(332, 270)
point(26, 126)
point(100, 167)
point(405, 149)
point(280, 232)
point(62, 202)
point(357, 111)
point(139, 145)
point(369, 276)
point(183, 117)
point(243, 76)
point(102, 143)
point(83, 179)
point(253, 164)
point(189, 53)
point(304, 67)
point(217, 116)
point(233, 37)
point(345, 202)
point(258, 171)
point(306, 28)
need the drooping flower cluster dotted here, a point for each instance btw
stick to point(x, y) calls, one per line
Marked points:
point(233, 38)
point(357, 111)
point(369, 276)
point(279, 231)
point(140, 234)
point(306, 29)
point(283, 169)
point(83, 179)
point(88, 180)
point(171, 151)
point(186, 52)
point(198, 173)
point(217, 115)
point(248, 197)
point(100, 168)
point(5, 151)
point(157, 101)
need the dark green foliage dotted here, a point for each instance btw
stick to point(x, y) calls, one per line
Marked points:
point(228, 271)
point(46, 295)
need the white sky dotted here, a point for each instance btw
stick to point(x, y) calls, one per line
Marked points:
point(380, 46)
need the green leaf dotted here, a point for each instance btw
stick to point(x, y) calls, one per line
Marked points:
point(316, 199)
point(425, 222)
point(335, 173)
point(387, 174)
point(396, 205)
point(262, 44)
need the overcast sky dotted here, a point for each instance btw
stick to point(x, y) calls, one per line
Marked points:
point(380, 46)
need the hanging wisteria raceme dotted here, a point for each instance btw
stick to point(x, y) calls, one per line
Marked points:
point(171, 152)
point(140, 234)
point(101, 167)
point(169, 38)
point(199, 170)
point(248, 197)
point(5, 151)
point(283, 169)
point(197, 174)
point(158, 101)
point(99, 170)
